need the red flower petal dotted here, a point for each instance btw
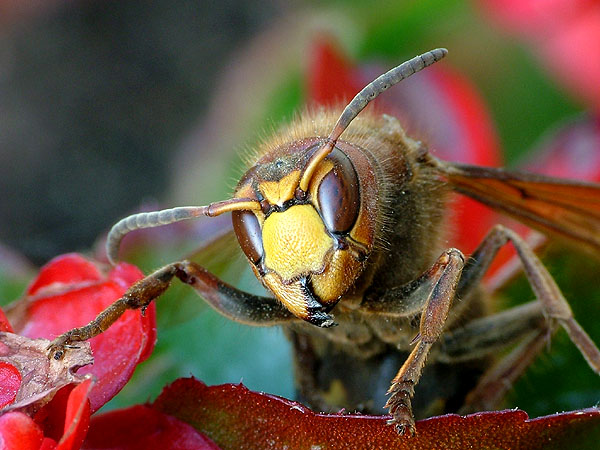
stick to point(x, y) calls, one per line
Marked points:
point(330, 77)
point(10, 381)
point(235, 417)
point(572, 55)
point(65, 269)
point(52, 416)
point(48, 444)
point(125, 275)
point(77, 417)
point(142, 427)
point(18, 431)
point(66, 418)
point(4, 323)
point(83, 294)
point(468, 137)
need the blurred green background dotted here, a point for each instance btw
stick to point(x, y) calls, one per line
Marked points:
point(109, 105)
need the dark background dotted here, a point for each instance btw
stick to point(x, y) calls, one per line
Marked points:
point(94, 99)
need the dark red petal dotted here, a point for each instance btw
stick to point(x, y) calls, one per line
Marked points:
point(77, 417)
point(66, 418)
point(18, 431)
point(65, 269)
point(48, 444)
point(234, 417)
point(116, 351)
point(4, 323)
point(10, 381)
point(142, 427)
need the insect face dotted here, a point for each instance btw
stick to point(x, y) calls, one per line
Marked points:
point(307, 247)
point(306, 213)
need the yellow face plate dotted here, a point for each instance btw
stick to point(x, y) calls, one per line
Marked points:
point(295, 242)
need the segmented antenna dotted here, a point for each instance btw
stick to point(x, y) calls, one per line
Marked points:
point(362, 99)
point(168, 216)
point(358, 103)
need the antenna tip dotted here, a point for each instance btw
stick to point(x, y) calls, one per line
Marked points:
point(439, 53)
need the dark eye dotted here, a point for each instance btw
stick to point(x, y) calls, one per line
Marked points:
point(338, 195)
point(249, 235)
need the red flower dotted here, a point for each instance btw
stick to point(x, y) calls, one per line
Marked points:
point(62, 424)
point(144, 427)
point(68, 292)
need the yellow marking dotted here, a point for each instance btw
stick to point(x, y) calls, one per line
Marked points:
point(337, 394)
point(235, 204)
point(245, 191)
point(324, 168)
point(314, 161)
point(339, 275)
point(295, 242)
point(291, 295)
point(277, 192)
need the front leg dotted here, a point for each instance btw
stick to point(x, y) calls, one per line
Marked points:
point(231, 302)
point(444, 280)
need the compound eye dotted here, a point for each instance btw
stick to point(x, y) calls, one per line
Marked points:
point(249, 234)
point(338, 195)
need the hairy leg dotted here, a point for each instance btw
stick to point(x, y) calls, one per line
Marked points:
point(444, 282)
